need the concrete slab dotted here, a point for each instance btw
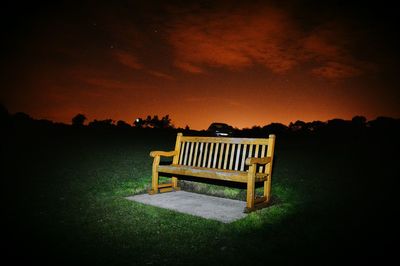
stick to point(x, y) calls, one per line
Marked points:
point(209, 207)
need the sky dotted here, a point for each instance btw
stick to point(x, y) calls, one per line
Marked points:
point(245, 63)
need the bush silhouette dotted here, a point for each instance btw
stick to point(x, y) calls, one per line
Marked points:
point(78, 120)
point(154, 122)
point(106, 123)
point(123, 124)
point(4, 117)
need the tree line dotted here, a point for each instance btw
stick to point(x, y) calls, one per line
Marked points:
point(149, 122)
point(357, 124)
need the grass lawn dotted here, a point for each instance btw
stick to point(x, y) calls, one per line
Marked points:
point(63, 196)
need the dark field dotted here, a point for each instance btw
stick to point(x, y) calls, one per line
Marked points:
point(334, 201)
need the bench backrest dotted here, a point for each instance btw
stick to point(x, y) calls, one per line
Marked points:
point(221, 152)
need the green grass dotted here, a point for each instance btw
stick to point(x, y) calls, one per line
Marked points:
point(65, 203)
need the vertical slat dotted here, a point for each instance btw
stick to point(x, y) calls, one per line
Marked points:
point(260, 169)
point(232, 155)
point(191, 153)
point(200, 154)
point(205, 154)
point(237, 156)
point(186, 153)
point(215, 155)
point(210, 155)
point(250, 151)
point(182, 152)
point(243, 157)
point(195, 154)
point(221, 152)
point(257, 149)
point(226, 155)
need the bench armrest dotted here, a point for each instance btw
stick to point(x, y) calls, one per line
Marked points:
point(254, 160)
point(163, 153)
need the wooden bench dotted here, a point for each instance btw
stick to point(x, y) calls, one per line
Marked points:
point(245, 160)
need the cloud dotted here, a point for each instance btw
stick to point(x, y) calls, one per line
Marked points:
point(318, 46)
point(267, 36)
point(334, 70)
point(130, 61)
point(127, 59)
point(188, 67)
point(110, 84)
point(233, 40)
point(325, 47)
point(160, 74)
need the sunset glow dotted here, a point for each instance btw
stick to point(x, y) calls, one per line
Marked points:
point(217, 61)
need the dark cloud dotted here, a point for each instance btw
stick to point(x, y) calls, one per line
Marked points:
point(269, 36)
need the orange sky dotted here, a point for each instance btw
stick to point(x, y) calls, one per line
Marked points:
point(244, 64)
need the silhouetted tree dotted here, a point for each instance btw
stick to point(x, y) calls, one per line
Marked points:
point(257, 131)
point(338, 125)
point(78, 120)
point(4, 116)
point(166, 122)
point(123, 124)
point(155, 122)
point(297, 126)
point(107, 123)
point(22, 117)
point(22, 120)
point(315, 126)
point(275, 128)
point(359, 121)
point(358, 125)
point(139, 123)
point(44, 123)
point(148, 121)
point(384, 124)
point(3, 111)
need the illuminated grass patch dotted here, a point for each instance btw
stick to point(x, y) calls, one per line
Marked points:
point(72, 205)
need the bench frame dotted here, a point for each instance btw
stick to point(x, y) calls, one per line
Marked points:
point(252, 176)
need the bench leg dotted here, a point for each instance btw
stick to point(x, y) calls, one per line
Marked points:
point(154, 184)
point(154, 178)
point(175, 183)
point(267, 188)
point(250, 189)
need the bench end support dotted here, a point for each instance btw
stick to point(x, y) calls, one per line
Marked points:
point(258, 206)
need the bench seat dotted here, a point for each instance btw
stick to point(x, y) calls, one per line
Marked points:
point(212, 173)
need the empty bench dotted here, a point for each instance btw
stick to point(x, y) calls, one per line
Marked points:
point(245, 160)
